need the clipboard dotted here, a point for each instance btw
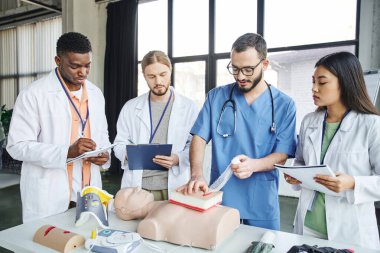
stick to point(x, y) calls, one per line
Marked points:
point(306, 174)
point(141, 156)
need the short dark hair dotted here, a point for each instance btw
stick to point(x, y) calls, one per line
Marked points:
point(73, 42)
point(251, 40)
point(353, 91)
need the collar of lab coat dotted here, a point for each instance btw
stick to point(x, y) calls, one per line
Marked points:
point(316, 125)
point(177, 109)
point(55, 86)
point(317, 121)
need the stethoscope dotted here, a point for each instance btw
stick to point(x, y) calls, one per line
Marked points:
point(232, 101)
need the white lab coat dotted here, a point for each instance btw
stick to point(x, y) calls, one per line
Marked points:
point(134, 124)
point(39, 136)
point(355, 150)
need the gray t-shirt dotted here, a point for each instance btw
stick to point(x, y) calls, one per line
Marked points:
point(156, 179)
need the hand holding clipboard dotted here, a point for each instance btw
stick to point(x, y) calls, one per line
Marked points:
point(90, 153)
point(141, 156)
point(306, 174)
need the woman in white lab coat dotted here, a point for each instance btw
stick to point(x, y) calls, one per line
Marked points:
point(343, 133)
point(134, 124)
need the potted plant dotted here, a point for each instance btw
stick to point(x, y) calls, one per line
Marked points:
point(5, 120)
point(6, 116)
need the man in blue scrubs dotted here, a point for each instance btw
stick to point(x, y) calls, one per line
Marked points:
point(257, 124)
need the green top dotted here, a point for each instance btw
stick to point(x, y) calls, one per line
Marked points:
point(316, 219)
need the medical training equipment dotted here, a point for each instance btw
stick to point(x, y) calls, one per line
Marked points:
point(202, 202)
point(265, 245)
point(117, 241)
point(223, 179)
point(92, 202)
point(58, 239)
point(233, 106)
point(197, 201)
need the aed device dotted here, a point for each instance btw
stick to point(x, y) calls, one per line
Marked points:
point(114, 241)
point(58, 239)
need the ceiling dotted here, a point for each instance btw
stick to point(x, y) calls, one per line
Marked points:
point(15, 12)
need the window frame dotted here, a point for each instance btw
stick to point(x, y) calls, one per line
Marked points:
point(211, 58)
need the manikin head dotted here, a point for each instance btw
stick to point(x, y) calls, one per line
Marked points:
point(132, 203)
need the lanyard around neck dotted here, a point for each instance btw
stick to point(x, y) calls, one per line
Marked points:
point(153, 133)
point(324, 129)
point(82, 121)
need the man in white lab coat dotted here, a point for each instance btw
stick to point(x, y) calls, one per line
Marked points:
point(159, 116)
point(57, 117)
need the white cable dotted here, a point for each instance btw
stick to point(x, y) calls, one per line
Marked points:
point(156, 248)
point(180, 246)
point(152, 246)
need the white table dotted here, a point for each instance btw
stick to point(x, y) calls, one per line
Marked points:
point(19, 238)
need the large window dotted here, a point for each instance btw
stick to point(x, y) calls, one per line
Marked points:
point(200, 34)
point(299, 22)
point(26, 54)
point(152, 27)
point(190, 27)
point(232, 19)
point(190, 77)
point(293, 70)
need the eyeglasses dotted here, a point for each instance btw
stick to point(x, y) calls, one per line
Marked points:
point(247, 71)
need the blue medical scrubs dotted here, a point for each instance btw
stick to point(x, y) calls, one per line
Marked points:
point(256, 197)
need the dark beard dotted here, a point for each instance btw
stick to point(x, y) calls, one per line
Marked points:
point(254, 83)
point(159, 94)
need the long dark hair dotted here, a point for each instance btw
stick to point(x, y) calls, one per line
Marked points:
point(353, 91)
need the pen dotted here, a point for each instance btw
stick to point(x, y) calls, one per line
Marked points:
point(130, 141)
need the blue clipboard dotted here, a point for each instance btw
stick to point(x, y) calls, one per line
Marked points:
point(141, 156)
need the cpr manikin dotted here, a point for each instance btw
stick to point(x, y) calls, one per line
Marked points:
point(163, 221)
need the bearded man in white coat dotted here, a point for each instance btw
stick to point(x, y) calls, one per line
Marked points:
point(158, 116)
point(58, 117)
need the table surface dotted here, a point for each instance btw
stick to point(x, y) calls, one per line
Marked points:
point(19, 238)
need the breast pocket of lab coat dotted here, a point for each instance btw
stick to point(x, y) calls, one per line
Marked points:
point(352, 162)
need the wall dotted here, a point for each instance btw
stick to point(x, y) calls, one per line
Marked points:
point(369, 37)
